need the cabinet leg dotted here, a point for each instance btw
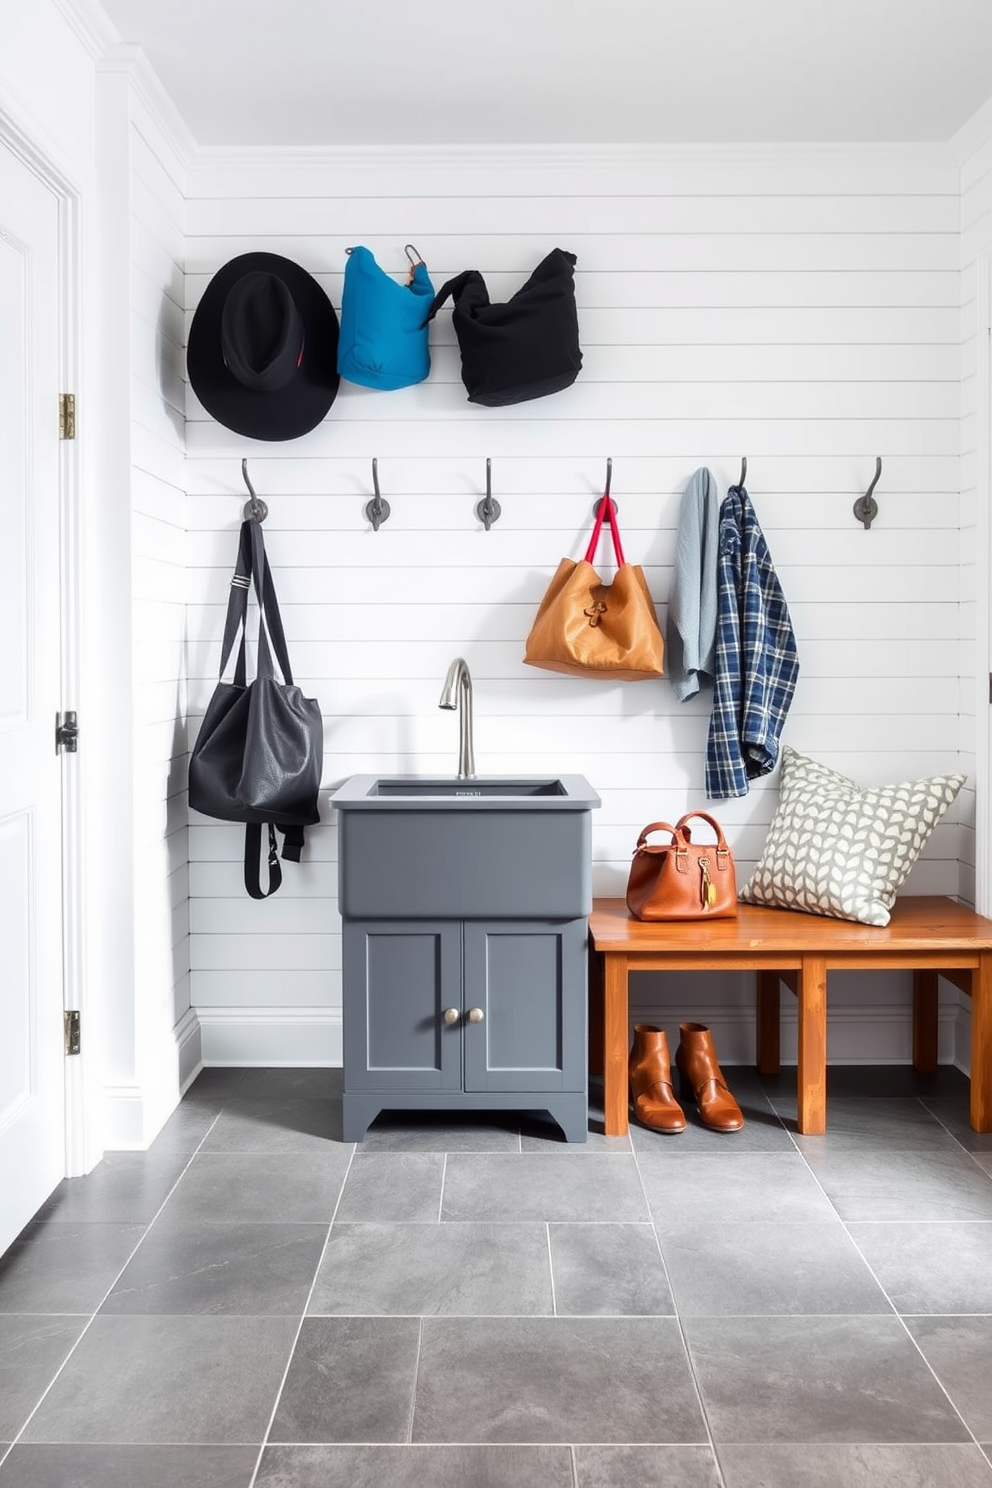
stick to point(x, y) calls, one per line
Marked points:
point(572, 1114)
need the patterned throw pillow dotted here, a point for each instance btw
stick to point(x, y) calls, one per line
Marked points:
point(835, 849)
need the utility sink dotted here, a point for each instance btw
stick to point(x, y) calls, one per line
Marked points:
point(423, 847)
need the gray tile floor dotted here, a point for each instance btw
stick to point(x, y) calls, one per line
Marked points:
point(256, 1304)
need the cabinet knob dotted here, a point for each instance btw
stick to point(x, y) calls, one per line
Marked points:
point(451, 1016)
point(475, 1015)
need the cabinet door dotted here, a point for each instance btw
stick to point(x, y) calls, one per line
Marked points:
point(527, 979)
point(399, 978)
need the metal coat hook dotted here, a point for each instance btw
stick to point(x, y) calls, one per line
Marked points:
point(255, 510)
point(377, 510)
point(866, 507)
point(606, 492)
point(743, 470)
point(488, 510)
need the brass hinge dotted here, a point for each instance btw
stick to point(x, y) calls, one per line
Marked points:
point(67, 415)
point(70, 1023)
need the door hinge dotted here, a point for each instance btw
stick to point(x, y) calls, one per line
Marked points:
point(67, 415)
point(66, 733)
point(70, 1023)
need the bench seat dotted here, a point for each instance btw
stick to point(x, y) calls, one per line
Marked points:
point(931, 936)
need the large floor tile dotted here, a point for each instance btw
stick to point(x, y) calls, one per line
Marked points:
point(79, 1466)
point(251, 1269)
point(416, 1467)
point(863, 1466)
point(296, 1188)
point(278, 1084)
point(531, 1186)
point(817, 1379)
point(393, 1186)
point(724, 1190)
point(959, 1351)
point(916, 1186)
point(419, 1270)
point(889, 1124)
point(953, 1114)
point(555, 1380)
point(872, 1081)
point(64, 1268)
point(646, 1467)
point(186, 1128)
point(609, 1270)
point(168, 1380)
point(350, 1380)
point(289, 1125)
point(32, 1349)
point(125, 1188)
point(763, 1269)
point(930, 1268)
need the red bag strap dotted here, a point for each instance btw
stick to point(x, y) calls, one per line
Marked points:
point(606, 507)
point(721, 841)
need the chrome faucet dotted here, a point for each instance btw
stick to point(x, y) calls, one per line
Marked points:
point(457, 690)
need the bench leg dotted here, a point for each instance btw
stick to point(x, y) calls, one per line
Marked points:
point(925, 1011)
point(769, 1023)
point(981, 1044)
point(812, 1075)
point(595, 1011)
point(615, 1040)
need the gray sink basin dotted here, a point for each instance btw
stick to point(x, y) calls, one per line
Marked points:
point(369, 792)
point(421, 846)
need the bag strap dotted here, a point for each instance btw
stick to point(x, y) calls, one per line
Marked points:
point(253, 852)
point(456, 287)
point(606, 506)
point(270, 619)
point(657, 827)
point(721, 841)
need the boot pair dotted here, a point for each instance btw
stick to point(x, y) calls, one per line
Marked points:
point(700, 1079)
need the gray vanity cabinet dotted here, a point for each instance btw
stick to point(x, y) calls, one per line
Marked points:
point(464, 907)
point(465, 1015)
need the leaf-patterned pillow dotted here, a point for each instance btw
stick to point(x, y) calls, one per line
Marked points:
point(836, 849)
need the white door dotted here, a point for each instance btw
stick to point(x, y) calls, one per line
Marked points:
point(32, 1088)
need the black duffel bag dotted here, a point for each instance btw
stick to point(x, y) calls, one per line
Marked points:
point(259, 753)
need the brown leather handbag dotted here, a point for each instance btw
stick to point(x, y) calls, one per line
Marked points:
point(682, 879)
point(591, 629)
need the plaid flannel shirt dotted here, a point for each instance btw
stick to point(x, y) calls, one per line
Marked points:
point(756, 665)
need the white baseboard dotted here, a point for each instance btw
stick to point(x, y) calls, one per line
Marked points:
point(271, 1036)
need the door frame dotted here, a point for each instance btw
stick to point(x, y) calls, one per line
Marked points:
point(20, 141)
point(983, 576)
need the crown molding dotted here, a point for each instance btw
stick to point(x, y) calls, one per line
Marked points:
point(132, 63)
point(88, 20)
point(541, 156)
point(974, 134)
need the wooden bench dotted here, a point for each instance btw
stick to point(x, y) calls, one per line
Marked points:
point(929, 936)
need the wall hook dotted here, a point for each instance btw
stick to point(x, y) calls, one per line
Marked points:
point(606, 492)
point(866, 507)
point(377, 510)
point(488, 510)
point(743, 470)
point(255, 510)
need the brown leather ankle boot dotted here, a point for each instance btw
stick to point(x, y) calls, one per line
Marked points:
point(650, 1077)
point(702, 1079)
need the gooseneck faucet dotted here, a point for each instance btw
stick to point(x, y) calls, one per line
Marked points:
point(457, 693)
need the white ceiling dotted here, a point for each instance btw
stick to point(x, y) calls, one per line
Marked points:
point(542, 72)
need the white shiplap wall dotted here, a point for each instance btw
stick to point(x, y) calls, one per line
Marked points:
point(158, 537)
point(798, 307)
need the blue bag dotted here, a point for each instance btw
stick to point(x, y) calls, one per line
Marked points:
point(384, 331)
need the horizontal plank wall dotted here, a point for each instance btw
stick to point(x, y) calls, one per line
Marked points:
point(796, 307)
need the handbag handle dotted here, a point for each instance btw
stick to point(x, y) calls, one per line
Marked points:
point(642, 841)
point(721, 841)
point(253, 565)
point(606, 505)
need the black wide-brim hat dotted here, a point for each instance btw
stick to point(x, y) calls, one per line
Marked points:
point(263, 348)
